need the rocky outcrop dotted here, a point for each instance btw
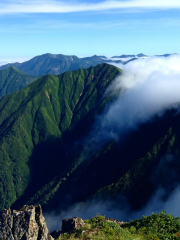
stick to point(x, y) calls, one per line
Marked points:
point(71, 224)
point(115, 221)
point(68, 225)
point(27, 223)
point(6, 224)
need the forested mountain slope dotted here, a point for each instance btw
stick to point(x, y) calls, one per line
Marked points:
point(43, 142)
point(134, 169)
point(36, 125)
point(12, 79)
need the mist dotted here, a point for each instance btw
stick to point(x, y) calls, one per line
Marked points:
point(147, 87)
point(166, 198)
point(121, 212)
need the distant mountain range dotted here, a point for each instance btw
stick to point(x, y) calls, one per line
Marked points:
point(130, 56)
point(54, 64)
point(57, 63)
point(125, 59)
point(15, 76)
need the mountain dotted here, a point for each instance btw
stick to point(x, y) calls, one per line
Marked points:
point(165, 55)
point(39, 126)
point(132, 59)
point(124, 56)
point(46, 158)
point(141, 55)
point(136, 166)
point(12, 79)
point(54, 64)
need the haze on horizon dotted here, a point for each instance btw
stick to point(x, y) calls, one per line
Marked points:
point(85, 28)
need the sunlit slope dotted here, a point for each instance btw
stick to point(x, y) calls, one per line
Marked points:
point(35, 123)
point(12, 79)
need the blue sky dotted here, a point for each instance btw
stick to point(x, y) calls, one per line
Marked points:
point(84, 28)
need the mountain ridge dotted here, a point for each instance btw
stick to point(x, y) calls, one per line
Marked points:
point(13, 79)
point(54, 64)
point(45, 110)
point(43, 133)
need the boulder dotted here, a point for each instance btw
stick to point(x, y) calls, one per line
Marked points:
point(71, 224)
point(27, 223)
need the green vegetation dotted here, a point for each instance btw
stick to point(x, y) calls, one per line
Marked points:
point(12, 79)
point(42, 141)
point(38, 126)
point(160, 226)
point(165, 226)
point(99, 228)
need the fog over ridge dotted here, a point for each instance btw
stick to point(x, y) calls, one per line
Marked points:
point(146, 88)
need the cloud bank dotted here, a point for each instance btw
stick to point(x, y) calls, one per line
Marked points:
point(148, 87)
point(50, 6)
point(166, 198)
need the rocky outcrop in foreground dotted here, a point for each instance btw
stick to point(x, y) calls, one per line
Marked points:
point(27, 223)
point(69, 225)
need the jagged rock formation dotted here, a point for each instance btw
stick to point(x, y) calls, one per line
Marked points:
point(27, 223)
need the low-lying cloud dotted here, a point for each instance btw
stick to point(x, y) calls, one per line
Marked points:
point(147, 87)
point(120, 209)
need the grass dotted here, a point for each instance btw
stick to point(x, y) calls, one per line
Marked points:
point(160, 226)
point(99, 228)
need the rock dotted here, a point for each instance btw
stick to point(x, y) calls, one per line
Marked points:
point(27, 223)
point(71, 224)
point(55, 234)
point(6, 224)
point(115, 221)
point(43, 230)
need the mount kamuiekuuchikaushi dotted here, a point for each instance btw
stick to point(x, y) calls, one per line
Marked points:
point(41, 132)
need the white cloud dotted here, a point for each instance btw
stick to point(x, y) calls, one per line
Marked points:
point(51, 6)
point(150, 86)
point(6, 61)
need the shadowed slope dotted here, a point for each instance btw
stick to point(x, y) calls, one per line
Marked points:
point(43, 112)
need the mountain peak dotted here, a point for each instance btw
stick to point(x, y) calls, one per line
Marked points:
point(54, 64)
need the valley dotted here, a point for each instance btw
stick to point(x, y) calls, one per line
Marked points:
point(53, 151)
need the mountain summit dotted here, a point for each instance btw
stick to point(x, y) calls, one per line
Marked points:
point(54, 64)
